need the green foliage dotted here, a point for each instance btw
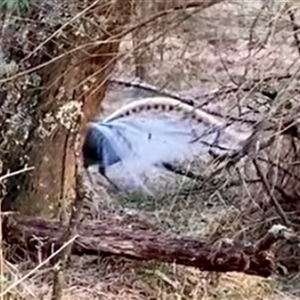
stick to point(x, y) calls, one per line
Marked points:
point(15, 6)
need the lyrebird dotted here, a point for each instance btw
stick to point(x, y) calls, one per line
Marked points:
point(156, 132)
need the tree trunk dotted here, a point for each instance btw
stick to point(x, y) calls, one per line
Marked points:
point(72, 82)
point(94, 237)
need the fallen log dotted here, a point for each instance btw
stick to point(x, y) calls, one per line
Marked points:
point(41, 237)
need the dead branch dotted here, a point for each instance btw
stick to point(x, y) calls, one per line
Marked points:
point(267, 187)
point(36, 236)
point(295, 26)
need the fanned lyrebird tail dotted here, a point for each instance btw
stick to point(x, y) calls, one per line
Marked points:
point(161, 131)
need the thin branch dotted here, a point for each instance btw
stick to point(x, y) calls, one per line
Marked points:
point(8, 175)
point(267, 187)
point(34, 270)
point(295, 28)
point(117, 37)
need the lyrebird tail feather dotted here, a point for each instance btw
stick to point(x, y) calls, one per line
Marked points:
point(164, 104)
point(155, 132)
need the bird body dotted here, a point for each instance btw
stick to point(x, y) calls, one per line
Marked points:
point(156, 132)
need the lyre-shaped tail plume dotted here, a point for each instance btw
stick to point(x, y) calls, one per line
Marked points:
point(157, 132)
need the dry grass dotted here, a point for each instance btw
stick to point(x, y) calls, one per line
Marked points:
point(209, 50)
point(114, 278)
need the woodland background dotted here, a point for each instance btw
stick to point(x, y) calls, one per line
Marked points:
point(64, 62)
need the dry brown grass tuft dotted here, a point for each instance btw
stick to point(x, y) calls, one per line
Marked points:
point(117, 278)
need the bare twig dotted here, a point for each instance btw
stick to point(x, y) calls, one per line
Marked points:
point(265, 183)
point(34, 270)
point(8, 175)
point(200, 5)
point(252, 28)
point(295, 27)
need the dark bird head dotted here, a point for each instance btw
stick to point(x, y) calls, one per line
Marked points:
point(91, 149)
point(97, 149)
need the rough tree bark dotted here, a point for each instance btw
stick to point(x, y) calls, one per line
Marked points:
point(75, 43)
point(39, 237)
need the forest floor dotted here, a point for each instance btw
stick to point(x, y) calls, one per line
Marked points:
point(208, 51)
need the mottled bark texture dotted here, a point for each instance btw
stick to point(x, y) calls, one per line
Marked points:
point(72, 48)
point(39, 237)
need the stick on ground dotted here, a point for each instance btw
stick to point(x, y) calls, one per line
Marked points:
point(223, 255)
